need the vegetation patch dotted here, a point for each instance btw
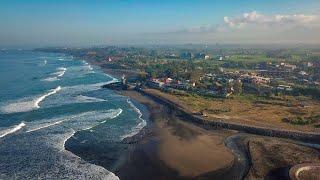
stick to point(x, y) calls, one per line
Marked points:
point(299, 120)
point(217, 111)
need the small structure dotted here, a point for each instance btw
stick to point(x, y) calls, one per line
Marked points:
point(123, 79)
point(155, 83)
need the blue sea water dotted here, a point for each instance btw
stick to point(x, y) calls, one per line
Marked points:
point(45, 98)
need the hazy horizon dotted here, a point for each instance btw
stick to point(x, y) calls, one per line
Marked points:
point(91, 23)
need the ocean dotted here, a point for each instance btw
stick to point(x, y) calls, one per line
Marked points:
point(45, 98)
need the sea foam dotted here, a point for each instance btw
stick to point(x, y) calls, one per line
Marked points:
point(56, 75)
point(85, 99)
point(54, 91)
point(25, 105)
point(11, 130)
point(135, 130)
point(81, 121)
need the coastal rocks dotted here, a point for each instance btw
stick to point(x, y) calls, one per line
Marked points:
point(116, 86)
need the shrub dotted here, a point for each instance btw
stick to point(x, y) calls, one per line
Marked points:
point(299, 120)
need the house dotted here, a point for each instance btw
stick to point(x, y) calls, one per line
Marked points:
point(168, 80)
point(303, 73)
point(309, 64)
point(155, 83)
point(262, 80)
point(284, 88)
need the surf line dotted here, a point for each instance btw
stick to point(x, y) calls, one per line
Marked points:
point(135, 130)
point(40, 99)
point(12, 130)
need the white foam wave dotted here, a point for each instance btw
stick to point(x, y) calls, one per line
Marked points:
point(81, 121)
point(89, 67)
point(44, 125)
point(135, 130)
point(27, 104)
point(61, 71)
point(51, 79)
point(114, 115)
point(43, 63)
point(84, 99)
point(54, 91)
point(11, 130)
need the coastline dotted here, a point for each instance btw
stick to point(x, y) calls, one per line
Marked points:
point(187, 142)
point(148, 150)
point(165, 128)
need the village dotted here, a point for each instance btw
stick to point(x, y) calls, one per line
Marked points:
point(251, 83)
point(274, 79)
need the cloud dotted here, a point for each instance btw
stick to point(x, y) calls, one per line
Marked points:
point(255, 18)
point(251, 27)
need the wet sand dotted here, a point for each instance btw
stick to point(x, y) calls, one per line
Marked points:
point(176, 149)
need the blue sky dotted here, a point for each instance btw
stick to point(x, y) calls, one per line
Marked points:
point(91, 22)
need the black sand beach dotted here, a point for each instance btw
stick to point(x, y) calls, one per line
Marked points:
point(167, 148)
point(171, 148)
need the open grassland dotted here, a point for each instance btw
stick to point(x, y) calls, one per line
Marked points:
point(291, 113)
point(250, 58)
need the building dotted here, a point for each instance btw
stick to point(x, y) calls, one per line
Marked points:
point(284, 88)
point(186, 55)
point(200, 56)
point(155, 83)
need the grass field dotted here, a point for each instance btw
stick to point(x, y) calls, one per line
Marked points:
point(300, 113)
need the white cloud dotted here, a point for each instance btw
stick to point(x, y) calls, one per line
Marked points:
point(255, 18)
point(254, 27)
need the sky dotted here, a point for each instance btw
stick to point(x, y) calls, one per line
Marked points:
point(38, 23)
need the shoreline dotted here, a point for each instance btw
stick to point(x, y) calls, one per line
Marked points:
point(142, 148)
point(162, 136)
point(218, 123)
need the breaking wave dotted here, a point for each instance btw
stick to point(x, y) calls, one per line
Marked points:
point(56, 75)
point(135, 130)
point(11, 130)
point(24, 105)
point(84, 99)
point(81, 121)
point(54, 91)
point(44, 125)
